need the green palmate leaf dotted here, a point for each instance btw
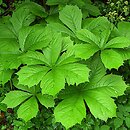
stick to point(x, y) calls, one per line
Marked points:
point(53, 66)
point(32, 75)
point(94, 94)
point(71, 16)
point(28, 109)
point(118, 42)
point(46, 100)
point(111, 59)
point(105, 106)
point(87, 36)
point(8, 45)
point(14, 98)
point(124, 29)
point(73, 106)
point(85, 51)
point(20, 19)
point(35, 37)
point(52, 82)
point(5, 75)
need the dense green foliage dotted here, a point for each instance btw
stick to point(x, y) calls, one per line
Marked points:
point(60, 66)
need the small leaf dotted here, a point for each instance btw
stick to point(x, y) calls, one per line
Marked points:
point(118, 122)
point(31, 75)
point(28, 109)
point(5, 75)
point(127, 121)
point(111, 59)
point(71, 16)
point(65, 109)
point(105, 127)
point(46, 100)
point(14, 98)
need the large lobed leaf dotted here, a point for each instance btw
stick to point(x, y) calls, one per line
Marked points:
point(53, 67)
point(97, 94)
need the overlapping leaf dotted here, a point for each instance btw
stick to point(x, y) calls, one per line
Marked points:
point(97, 94)
point(94, 43)
point(26, 98)
point(58, 63)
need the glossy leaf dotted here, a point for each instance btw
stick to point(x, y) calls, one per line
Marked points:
point(14, 98)
point(32, 75)
point(85, 51)
point(71, 16)
point(33, 38)
point(28, 109)
point(118, 42)
point(111, 59)
point(72, 106)
point(46, 100)
point(52, 82)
